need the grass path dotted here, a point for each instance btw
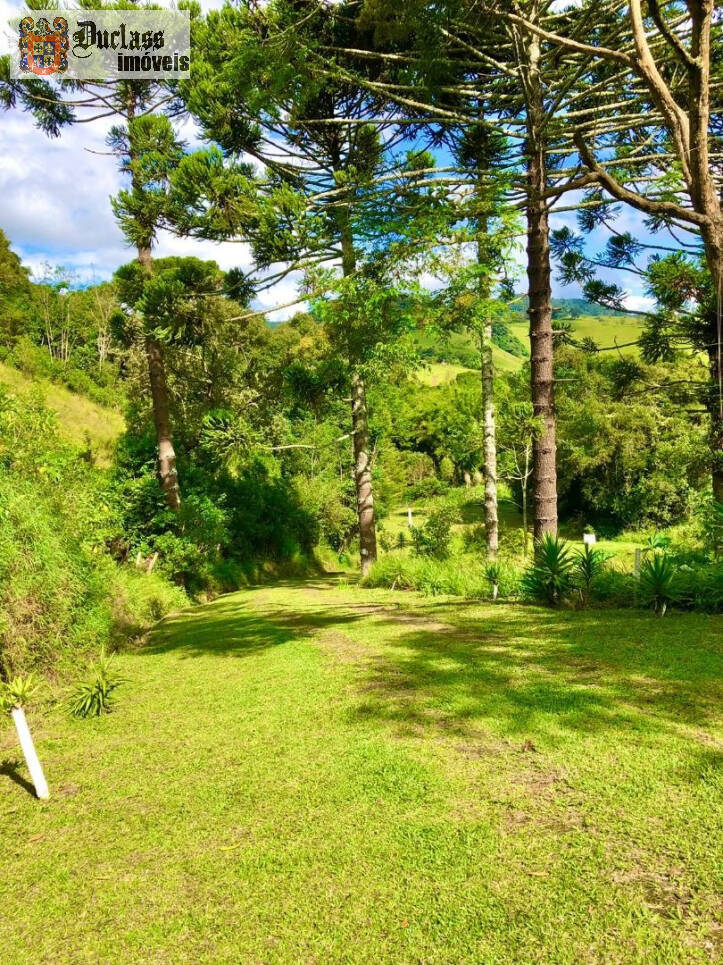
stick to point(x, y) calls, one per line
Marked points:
point(311, 772)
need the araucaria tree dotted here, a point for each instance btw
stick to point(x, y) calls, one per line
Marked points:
point(642, 107)
point(146, 145)
point(331, 180)
point(149, 150)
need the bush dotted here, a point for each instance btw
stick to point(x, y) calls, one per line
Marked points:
point(428, 487)
point(700, 587)
point(61, 593)
point(433, 537)
point(94, 696)
point(550, 578)
point(657, 582)
point(614, 588)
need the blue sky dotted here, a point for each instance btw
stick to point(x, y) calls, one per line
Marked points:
point(55, 205)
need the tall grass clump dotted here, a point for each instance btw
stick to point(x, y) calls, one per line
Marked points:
point(462, 576)
point(62, 595)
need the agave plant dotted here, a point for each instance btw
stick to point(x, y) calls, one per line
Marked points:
point(94, 696)
point(657, 583)
point(589, 563)
point(550, 578)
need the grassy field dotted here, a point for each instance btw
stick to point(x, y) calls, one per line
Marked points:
point(312, 772)
point(606, 330)
point(82, 421)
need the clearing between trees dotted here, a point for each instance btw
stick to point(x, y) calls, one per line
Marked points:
point(312, 772)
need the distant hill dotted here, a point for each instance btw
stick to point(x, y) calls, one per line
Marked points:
point(568, 307)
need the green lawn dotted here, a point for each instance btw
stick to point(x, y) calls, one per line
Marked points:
point(312, 772)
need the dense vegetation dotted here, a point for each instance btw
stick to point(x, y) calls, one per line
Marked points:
point(389, 632)
point(264, 456)
point(248, 448)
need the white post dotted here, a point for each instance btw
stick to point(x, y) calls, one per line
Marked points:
point(636, 565)
point(409, 517)
point(31, 758)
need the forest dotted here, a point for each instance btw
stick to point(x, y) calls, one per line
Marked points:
point(496, 510)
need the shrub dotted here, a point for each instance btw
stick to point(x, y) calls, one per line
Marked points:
point(614, 587)
point(94, 696)
point(700, 587)
point(61, 593)
point(493, 571)
point(427, 487)
point(589, 564)
point(18, 692)
point(550, 578)
point(657, 582)
point(433, 537)
point(657, 541)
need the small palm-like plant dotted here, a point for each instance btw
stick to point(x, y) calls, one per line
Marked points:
point(493, 572)
point(550, 578)
point(15, 694)
point(18, 692)
point(589, 563)
point(94, 696)
point(656, 542)
point(657, 583)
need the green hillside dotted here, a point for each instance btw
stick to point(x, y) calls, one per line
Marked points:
point(82, 422)
point(605, 330)
point(458, 353)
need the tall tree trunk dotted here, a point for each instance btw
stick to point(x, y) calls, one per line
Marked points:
point(363, 474)
point(713, 240)
point(487, 371)
point(489, 444)
point(360, 426)
point(162, 419)
point(167, 472)
point(540, 310)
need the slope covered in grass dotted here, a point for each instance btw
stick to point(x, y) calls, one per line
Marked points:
point(63, 592)
point(316, 773)
point(81, 421)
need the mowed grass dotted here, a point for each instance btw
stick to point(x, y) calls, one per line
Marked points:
point(317, 773)
point(81, 421)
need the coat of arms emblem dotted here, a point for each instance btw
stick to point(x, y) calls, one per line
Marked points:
point(42, 50)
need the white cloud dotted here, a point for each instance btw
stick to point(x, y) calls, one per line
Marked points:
point(639, 303)
point(56, 200)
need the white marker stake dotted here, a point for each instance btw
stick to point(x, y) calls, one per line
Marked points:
point(410, 521)
point(31, 758)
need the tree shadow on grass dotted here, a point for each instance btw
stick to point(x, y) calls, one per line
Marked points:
point(532, 671)
point(451, 667)
point(228, 627)
point(11, 769)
